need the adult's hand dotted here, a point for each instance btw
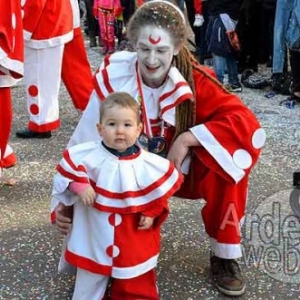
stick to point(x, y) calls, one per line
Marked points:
point(145, 222)
point(64, 216)
point(180, 148)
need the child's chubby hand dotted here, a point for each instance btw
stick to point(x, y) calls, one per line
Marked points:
point(88, 196)
point(145, 222)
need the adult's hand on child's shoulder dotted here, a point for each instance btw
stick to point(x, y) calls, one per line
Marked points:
point(64, 216)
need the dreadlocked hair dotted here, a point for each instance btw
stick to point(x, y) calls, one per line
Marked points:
point(185, 113)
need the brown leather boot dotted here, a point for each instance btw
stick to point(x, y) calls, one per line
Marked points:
point(227, 276)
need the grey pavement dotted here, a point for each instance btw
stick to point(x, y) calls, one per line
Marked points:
point(30, 246)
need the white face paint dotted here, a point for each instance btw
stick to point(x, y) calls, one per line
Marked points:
point(155, 50)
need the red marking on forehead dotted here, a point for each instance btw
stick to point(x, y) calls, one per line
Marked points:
point(153, 41)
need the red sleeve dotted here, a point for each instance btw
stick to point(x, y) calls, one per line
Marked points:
point(46, 19)
point(11, 38)
point(159, 211)
point(229, 132)
point(32, 14)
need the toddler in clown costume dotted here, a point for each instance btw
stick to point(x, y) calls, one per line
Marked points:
point(120, 194)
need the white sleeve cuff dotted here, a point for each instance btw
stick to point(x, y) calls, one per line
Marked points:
point(218, 152)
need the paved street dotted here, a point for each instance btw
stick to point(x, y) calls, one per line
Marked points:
point(30, 246)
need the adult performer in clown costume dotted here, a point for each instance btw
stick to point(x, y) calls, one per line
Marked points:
point(54, 49)
point(210, 135)
point(11, 70)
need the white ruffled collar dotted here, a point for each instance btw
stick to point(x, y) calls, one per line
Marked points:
point(121, 184)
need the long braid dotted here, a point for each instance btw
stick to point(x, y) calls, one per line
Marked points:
point(186, 111)
point(185, 114)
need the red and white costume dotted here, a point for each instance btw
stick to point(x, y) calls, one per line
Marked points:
point(53, 49)
point(229, 133)
point(104, 239)
point(106, 11)
point(11, 70)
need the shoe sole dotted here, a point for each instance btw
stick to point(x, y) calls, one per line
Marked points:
point(33, 137)
point(230, 292)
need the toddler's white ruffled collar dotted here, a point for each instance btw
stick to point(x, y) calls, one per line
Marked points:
point(121, 184)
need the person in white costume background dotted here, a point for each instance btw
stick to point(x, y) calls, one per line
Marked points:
point(122, 201)
point(54, 49)
point(208, 132)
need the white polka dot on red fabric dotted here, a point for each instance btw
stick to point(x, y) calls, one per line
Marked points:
point(258, 138)
point(242, 159)
point(23, 2)
point(13, 21)
point(22, 13)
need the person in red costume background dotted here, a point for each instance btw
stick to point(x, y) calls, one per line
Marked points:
point(11, 70)
point(54, 49)
point(210, 135)
point(106, 11)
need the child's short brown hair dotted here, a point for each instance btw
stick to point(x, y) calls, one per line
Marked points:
point(120, 99)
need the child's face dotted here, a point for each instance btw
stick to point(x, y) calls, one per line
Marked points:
point(119, 128)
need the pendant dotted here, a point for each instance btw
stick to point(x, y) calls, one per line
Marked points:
point(158, 145)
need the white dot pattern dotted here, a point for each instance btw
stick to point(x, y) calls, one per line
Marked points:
point(23, 2)
point(13, 21)
point(242, 159)
point(259, 138)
